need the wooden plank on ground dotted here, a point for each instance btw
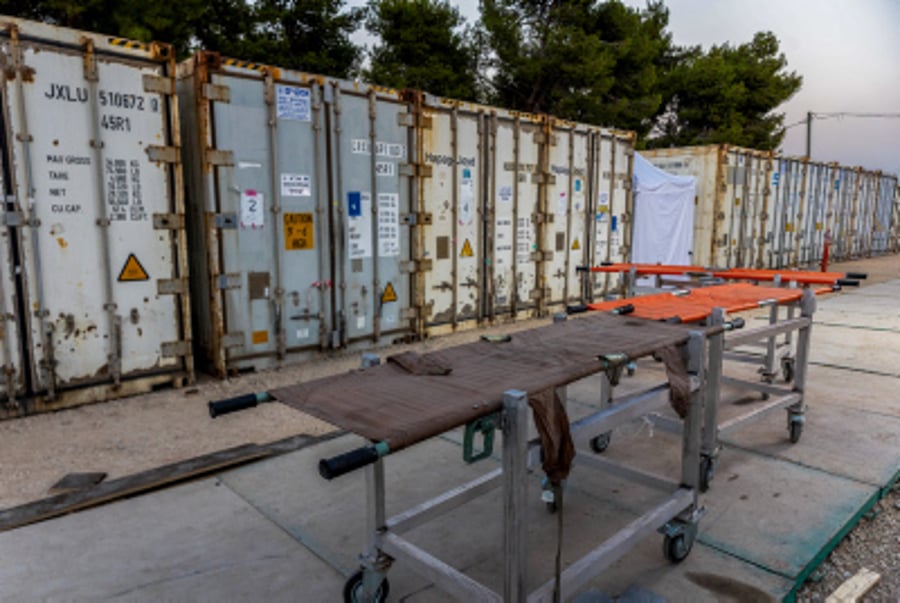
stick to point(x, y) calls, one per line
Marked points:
point(855, 587)
point(151, 479)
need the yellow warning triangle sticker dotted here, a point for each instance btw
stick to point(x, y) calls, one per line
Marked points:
point(576, 245)
point(466, 250)
point(133, 271)
point(389, 294)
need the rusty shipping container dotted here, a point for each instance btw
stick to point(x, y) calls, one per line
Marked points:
point(94, 286)
point(510, 205)
point(301, 194)
point(735, 204)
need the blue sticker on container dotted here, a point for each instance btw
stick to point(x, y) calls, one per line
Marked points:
point(578, 185)
point(293, 103)
point(467, 173)
point(775, 178)
point(354, 205)
point(613, 223)
point(837, 184)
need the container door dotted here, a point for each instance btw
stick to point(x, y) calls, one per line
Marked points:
point(564, 237)
point(514, 152)
point(453, 193)
point(13, 380)
point(370, 176)
point(93, 179)
point(271, 279)
point(611, 197)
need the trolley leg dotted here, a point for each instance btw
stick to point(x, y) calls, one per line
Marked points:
point(710, 445)
point(375, 564)
point(768, 371)
point(796, 412)
point(515, 491)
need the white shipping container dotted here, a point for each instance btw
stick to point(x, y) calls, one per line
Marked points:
point(300, 190)
point(94, 170)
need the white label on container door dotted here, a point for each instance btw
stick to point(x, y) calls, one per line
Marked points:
point(504, 193)
point(359, 224)
point(503, 237)
point(388, 225)
point(562, 207)
point(360, 322)
point(391, 150)
point(523, 243)
point(293, 103)
point(302, 333)
point(359, 146)
point(295, 185)
point(123, 190)
point(466, 198)
point(384, 168)
point(252, 215)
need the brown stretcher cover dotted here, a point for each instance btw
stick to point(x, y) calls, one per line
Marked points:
point(391, 404)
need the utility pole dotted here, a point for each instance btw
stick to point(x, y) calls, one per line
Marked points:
point(809, 120)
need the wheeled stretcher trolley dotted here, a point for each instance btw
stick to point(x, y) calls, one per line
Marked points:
point(489, 385)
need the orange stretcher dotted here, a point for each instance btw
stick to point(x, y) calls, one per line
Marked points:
point(694, 305)
point(802, 277)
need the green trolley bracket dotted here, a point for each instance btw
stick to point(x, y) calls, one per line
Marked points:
point(486, 427)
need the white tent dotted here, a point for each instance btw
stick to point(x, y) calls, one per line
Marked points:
point(663, 215)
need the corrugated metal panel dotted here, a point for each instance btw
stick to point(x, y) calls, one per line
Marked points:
point(301, 198)
point(883, 215)
point(13, 378)
point(515, 154)
point(95, 172)
point(451, 194)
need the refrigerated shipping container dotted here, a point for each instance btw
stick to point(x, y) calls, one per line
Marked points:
point(94, 288)
point(301, 190)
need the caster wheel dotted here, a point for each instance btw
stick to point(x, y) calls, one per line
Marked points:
point(787, 369)
point(601, 442)
point(677, 548)
point(707, 471)
point(796, 430)
point(353, 589)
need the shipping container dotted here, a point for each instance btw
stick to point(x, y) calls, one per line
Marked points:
point(301, 189)
point(736, 216)
point(92, 177)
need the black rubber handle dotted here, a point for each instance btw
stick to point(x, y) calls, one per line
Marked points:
point(582, 268)
point(860, 276)
point(847, 282)
point(347, 462)
point(576, 309)
point(737, 323)
point(606, 263)
point(626, 309)
point(229, 405)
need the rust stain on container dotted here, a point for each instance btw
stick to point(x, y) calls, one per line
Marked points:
point(62, 242)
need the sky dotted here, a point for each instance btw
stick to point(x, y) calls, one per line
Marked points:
point(848, 52)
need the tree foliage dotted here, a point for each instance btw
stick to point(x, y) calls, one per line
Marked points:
point(727, 94)
point(422, 44)
point(587, 61)
point(592, 61)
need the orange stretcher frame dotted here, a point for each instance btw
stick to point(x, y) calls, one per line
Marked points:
point(749, 274)
point(694, 305)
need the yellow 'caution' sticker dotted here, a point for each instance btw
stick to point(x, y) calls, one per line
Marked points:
point(260, 337)
point(576, 245)
point(298, 231)
point(133, 271)
point(466, 250)
point(389, 294)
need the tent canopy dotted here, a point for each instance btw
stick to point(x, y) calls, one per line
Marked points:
point(663, 215)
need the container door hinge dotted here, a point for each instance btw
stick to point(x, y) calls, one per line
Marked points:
point(13, 218)
point(541, 218)
point(418, 218)
point(539, 294)
point(541, 256)
point(168, 221)
point(543, 178)
point(158, 84)
point(414, 266)
point(164, 154)
point(409, 313)
point(216, 93)
point(412, 170)
point(233, 340)
point(226, 221)
point(171, 286)
point(231, 280)
point(171, 349)
point(220, 158)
